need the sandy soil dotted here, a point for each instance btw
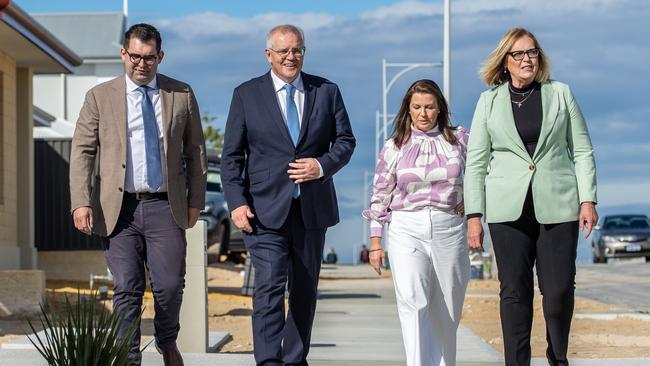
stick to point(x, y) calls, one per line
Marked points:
point(229, 311)
point(622, 337)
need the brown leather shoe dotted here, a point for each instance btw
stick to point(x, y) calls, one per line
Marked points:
point(171, 356)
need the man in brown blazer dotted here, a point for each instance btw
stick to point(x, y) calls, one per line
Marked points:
point(145, 131)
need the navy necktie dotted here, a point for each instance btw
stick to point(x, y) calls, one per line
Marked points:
point(151, 141)
point(293, 124)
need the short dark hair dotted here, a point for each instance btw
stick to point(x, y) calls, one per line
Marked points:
point(145, 33)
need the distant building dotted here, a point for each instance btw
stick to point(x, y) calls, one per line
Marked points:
point(97, 39)
point(26, 49)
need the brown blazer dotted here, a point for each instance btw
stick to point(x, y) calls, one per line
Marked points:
point(103, 123)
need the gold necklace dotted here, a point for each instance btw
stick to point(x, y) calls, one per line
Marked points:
point(526, 96)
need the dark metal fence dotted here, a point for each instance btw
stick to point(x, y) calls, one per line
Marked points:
point(53, 222)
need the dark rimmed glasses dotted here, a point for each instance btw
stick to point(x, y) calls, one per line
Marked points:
point(135, 58)
point(519, 55)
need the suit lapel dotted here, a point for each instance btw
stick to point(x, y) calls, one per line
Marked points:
point(118, 102)
point(270, 101)
point(310, 97)
point(550, 108)
point(167, 100)
point(503, 109)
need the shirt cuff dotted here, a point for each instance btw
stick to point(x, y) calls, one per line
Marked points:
point(376, 228)
point(320, 168)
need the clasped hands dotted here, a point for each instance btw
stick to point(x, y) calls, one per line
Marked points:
point(300, 171)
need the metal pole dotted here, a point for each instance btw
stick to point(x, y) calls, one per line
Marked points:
point(377, 134)
point(384, 95)
point(446, 62)
point(125, 8)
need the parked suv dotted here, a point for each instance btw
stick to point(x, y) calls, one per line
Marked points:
point(621, 236)
point(223, 237)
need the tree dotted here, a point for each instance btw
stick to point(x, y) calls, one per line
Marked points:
point(213, 135)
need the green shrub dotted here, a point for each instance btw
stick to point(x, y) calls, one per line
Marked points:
point(81, 334)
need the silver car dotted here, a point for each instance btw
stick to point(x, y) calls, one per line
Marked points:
point(621, 236)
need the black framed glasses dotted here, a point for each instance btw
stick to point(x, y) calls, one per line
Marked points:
point(297, 52)
point(148, 59)
point(519, 55)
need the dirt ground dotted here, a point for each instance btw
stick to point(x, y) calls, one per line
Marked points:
point(230, 311)
point(622, 337)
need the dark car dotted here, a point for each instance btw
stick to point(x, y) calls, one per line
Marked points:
point(621, 236)
point(223, 237)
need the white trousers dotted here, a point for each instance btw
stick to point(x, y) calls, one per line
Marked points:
point(430, 267)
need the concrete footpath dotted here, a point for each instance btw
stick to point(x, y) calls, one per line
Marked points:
point(356, 325)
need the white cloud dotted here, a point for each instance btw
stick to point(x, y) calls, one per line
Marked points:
point(210, 24)
point(630, 192)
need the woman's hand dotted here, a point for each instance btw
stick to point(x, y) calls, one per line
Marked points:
point(460, 209)
point(475, 233)
point(588, 217)
point(377, 255)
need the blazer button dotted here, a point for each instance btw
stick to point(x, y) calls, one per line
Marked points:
point(531, 167)
point(119, 189)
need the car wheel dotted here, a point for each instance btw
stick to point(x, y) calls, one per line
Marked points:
point(595, 259)
point(225, 239)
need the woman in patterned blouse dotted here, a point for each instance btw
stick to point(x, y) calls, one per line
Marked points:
point(418, 189)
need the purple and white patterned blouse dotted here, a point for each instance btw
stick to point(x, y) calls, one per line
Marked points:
point(427, 171)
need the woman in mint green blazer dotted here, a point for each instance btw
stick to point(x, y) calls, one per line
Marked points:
point(531, 174)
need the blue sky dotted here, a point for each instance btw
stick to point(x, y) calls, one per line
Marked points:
point(598, 47)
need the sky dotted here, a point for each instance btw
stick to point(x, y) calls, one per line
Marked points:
point(598, 47)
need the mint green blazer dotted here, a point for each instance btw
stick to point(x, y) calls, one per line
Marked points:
point(499, 170)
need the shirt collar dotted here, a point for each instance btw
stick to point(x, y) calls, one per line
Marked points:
point(435, 131)
point(132, 86)
point(279, 84)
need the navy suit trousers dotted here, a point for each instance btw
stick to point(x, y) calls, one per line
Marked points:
point(146, 236)
point(290, 253)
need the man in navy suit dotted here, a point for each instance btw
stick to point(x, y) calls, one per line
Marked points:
point(287, 134)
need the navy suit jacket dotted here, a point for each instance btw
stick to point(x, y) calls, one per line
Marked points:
point(258, 149)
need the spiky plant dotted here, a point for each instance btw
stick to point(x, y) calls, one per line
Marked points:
point(82, 334)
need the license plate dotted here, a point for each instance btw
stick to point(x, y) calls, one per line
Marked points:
point(633, 248)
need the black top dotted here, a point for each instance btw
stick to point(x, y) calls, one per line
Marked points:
point(527, 111)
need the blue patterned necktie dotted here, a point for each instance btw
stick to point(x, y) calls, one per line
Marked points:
point(293, 124)
point(151, 142)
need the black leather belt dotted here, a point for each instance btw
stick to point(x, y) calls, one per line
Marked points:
point(144, 196)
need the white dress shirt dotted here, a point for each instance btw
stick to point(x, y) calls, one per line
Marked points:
point(298, 95)
point(298, 98)
point(136, 160)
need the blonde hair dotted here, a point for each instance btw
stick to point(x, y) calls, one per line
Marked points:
point(494, 70)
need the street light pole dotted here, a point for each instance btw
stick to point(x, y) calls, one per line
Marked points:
point(446, 57)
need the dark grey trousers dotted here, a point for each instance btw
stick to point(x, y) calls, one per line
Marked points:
point(146, 235)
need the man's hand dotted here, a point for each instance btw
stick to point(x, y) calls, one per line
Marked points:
point(192, 216)
point(240, 217)
point(475, 233)
point(588, 217)
point(303, 170)
point(83, 219)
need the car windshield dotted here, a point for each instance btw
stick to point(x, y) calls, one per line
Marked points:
point(626, 222)
point(214, 181)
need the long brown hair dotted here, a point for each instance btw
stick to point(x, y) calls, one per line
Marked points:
point(402, 129)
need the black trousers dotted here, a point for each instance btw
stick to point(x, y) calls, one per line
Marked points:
point(551, 248)
point(146, 235)
point(290, 253)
